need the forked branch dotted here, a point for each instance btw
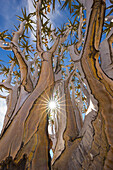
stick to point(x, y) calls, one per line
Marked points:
point(59, 40)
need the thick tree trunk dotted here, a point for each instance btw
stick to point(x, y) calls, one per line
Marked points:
point(70, 133)
point(27, 133)
point(100, 84)
point(91, 150)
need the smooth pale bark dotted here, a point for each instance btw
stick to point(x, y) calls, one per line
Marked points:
point(60, 144)
point(67, 125)
point(78, 115)
point(70, 131)
point(11, 103)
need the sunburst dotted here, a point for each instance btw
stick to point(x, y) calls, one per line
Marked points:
point(52, 104)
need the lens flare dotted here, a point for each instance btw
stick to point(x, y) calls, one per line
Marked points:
point(52, 104)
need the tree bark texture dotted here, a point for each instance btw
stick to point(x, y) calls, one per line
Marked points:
point(27, 133)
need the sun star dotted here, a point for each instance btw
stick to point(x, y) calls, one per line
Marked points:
point(52, 105)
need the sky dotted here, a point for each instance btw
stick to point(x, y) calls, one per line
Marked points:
point(8, 11)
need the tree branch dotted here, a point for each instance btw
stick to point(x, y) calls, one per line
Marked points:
point(57, 70)
point(78, 115)
point(35, 75)
point(106, 53)
point(66, 33)
point(6, 84)
point(75, 56)
point(73, 49)
point(3, 46)
point(4, 97)
point(59, 40)
point(53, 35)
point(25, 76)
point(38, 33)
point(16, 35)
point(80, 36)
point(55, 46)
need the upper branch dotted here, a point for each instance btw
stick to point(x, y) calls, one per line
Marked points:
point(25, 75)
point(6, 84)
point(75, 56)
point(59, 40)
point(80, 36)
point(66, 33)
point(38, 33)
point(55, 46)
point(3, 46)
point(17, 34)
point(10, 73)
point(57, 69)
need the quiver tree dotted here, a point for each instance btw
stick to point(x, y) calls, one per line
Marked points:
point(25, 126)
point(25, 141)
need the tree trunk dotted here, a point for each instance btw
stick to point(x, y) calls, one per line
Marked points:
point(27, 133)
point(99, 83)
point(91, 150)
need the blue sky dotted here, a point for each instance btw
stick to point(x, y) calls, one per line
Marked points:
point(8, 11)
